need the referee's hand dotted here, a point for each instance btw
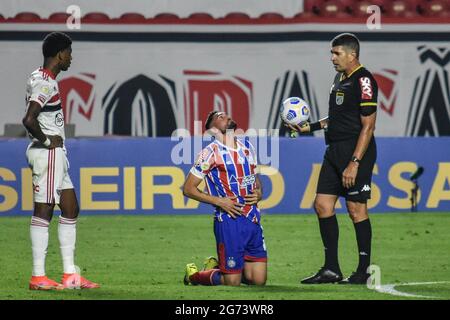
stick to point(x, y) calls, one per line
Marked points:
point(302, 128)
point(349, 175)
point(55, 142)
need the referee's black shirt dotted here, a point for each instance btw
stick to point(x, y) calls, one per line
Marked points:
point(350, 98)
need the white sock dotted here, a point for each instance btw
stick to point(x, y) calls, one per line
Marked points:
point(39, 244)
point(67, 233)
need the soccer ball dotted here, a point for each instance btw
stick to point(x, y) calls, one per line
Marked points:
point(294, 111)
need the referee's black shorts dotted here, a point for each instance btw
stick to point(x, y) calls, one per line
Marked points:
point(336, 159)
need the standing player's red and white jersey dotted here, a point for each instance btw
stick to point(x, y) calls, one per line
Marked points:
point(229, 172)
point(43, 89)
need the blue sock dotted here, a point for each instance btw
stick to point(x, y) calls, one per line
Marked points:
point(215, 279)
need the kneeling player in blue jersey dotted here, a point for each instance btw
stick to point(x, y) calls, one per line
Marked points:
point(228, 167)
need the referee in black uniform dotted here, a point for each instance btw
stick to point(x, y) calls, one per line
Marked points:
point(349, 159)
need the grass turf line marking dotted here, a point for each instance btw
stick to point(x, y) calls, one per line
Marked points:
point(390, 289)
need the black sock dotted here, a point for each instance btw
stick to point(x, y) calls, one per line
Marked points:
point(363, 231)
point(329, 230)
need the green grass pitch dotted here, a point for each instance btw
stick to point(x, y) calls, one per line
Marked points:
point(143, 257)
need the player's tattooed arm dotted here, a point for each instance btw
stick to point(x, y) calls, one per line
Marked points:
point(32, 125)
point(229, 205)
point(256, 194)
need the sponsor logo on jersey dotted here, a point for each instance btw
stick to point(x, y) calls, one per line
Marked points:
point(366, 88)
point(248, 181)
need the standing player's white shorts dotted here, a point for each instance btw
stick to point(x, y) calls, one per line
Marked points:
point(50, 173)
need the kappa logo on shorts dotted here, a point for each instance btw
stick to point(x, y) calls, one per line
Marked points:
point(365, 188)
point(231, 263)
point(36, 188)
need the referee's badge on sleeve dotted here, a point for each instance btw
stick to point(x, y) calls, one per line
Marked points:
point(339, 98)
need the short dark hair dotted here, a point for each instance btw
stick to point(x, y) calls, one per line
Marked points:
point(348, 40)
point(55, 42)
point(210, 118)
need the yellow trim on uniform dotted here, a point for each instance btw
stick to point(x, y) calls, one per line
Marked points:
point(343, 74)
point(366, 104)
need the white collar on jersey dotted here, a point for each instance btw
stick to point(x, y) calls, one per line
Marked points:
point(239, 147)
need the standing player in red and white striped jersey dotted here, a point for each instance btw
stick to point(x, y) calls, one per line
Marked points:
point(46, 156)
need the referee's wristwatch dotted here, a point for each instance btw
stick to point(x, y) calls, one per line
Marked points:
point(355, 159)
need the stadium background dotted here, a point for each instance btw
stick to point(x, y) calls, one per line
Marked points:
point(142, 70)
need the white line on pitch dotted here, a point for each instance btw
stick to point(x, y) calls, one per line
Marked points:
point(390, 289)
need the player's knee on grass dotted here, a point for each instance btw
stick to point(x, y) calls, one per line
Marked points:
point(258, 280)
point(232, 279)
point(255, 273)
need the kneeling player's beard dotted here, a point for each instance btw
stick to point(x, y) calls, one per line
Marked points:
point(232, 125)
